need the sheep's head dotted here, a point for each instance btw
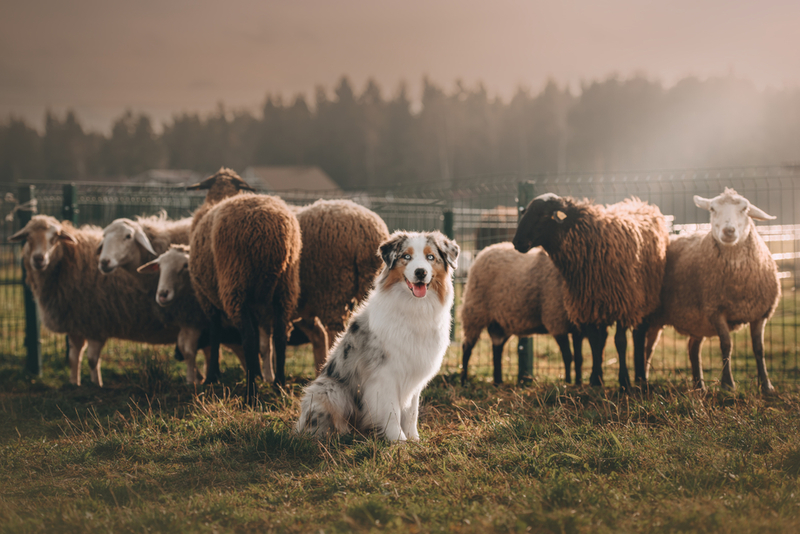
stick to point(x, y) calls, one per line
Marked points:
point(730, 216)
point(122, 244)
point(545, 217)
point(173, 273)
point(225, 183)
point(42, 235)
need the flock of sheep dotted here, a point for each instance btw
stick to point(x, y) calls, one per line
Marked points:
point(256, 274)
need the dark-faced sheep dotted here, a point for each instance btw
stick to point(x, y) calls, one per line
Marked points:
point(513, 294)
point(612, 261)
point(75, 299)
point(245, 263)
point(717, 281)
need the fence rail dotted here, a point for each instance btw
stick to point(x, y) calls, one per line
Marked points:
point(476, 213)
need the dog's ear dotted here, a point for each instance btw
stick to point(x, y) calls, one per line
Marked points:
point(448, 249)
point(392, 247)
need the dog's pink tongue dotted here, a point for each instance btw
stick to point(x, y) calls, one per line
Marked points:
point(419, 290)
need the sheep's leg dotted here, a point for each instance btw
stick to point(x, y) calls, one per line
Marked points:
point(725, 346)
point(651, 340)
point(566, 355)
point(639, 341)
point(497, 359)
point(621, 342)
point(250, 343)
point(577, 350)
point(279, 340)
point(187, 343)
point(757, 336)
point(213, 373)
point(93, 356)
point(265, 346)
point(318, 335)
point(77, 345)
point(466, 354)
point(597, 336)
point(695, 343)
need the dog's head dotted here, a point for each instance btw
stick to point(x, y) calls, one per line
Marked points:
point(420, 261)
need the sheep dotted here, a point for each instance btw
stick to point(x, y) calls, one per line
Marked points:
point(245, 262)
point(612, 260)
point(337, 267)
point(175, 294)
point(75, 299)
point(130, 244)
point(516, 294)
point(717, 281)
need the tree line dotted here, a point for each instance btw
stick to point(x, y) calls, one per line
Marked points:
point(367, 140)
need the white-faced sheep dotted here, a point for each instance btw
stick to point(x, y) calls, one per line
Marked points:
point(717, 281)
point(174, 293)
point(130, 244)
point(75, 299)
point(337, 268)
point(513, 294)
point(245, 262)
point(612, 261)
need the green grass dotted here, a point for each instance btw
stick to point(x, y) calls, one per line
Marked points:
point(148, 453)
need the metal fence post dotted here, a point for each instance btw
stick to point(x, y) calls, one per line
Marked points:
point(449, 231)
point(525, 193)
point(33, 345)
point(69, 212)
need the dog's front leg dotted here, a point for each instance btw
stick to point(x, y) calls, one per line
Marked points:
point(384, 411)
point(409, 417)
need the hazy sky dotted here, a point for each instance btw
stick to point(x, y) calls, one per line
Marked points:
point(103, 56)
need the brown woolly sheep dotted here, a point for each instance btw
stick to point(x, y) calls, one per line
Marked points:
point(513, 294)
point(75, 299)
point(245, 262)
point(130, 244)
point(717, 281)
point(175, 294)
point(612, 260)
point(337, 268)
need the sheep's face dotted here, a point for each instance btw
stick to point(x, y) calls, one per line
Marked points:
point(544, 217)
point(123, 244)
point(223, 184)
point(173, 274)
point(42, 236)
point(418, 261)
point(730, 216)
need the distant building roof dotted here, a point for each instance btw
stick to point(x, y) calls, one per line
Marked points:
point(290, 178)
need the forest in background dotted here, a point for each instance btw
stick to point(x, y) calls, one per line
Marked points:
point(368, 140)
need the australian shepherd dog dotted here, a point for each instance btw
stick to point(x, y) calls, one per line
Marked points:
point(393, 346)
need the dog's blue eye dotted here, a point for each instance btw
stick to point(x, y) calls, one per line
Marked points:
point(406, 256)
point(430, 257)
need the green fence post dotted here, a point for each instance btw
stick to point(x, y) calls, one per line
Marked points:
point(449, 231)
point(69, 212)
point(33, 361)
point(525, 194)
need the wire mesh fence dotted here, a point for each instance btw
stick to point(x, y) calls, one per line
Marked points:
point(478, 213)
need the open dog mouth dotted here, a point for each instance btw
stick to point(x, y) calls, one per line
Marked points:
point(419, 290)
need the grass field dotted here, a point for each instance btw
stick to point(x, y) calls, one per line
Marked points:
point(149, 454)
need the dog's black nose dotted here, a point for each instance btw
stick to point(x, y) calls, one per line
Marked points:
point(420, 274)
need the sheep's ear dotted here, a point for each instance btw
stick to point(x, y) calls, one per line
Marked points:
point(141, 238)
point(63, 235)
point(448, 249)
point(22, 235)
point(703, 203)
point(205, 184)
point(149, 267)
point(759, 214)
point(241, 184)
point(390, 249)
point(559, 216)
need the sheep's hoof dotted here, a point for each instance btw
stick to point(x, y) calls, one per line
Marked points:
point(595, 380)
point(768, 391)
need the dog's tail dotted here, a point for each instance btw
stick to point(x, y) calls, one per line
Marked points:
point(326, 408)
